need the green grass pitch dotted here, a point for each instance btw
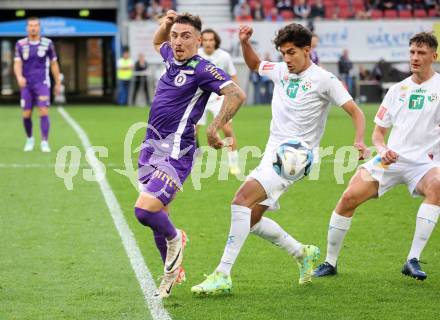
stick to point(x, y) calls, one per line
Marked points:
point(61, 257)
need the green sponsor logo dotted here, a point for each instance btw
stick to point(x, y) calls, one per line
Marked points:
point(292, 89)
point(416, 102)
point(193, 63)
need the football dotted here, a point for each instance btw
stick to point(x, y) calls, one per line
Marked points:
point(292, 159)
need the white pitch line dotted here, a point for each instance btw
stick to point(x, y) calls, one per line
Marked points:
point(143, 275)
point(49, 165)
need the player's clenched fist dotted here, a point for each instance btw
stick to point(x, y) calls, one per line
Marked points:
point(169, 18)
point(245, 33)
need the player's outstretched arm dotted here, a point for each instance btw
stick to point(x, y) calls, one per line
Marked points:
point(162, 34)
point(234, 97)
point(358, 118)
point(250, 56)
point(388, 156)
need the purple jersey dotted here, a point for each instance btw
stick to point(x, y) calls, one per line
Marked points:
point(181, 96)
point(314, 56)
point(36, 57)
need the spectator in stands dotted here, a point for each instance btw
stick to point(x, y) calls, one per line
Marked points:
point(155, 9)
point(313, 54)
point(124, 74)
point(317, 10)
point(284, 5)
point(242, 11)
point(138, 13)
point(345, 65)
point(302, 9)
point(385, 5)
point(257, 11)
point(140, 77)
point(274, 15)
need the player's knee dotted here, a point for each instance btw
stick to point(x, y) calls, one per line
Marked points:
point(432, 192)
point(349, 201)
point(43, 111)
point(149, 203)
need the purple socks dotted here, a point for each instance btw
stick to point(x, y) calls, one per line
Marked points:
point(161, 244)
point(44, 126)
point(27, 122)
point(159, 222)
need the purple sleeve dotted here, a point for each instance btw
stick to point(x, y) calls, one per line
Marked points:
point(51, 52)
point(165, 50)
point(211, 78)
point(18, 51)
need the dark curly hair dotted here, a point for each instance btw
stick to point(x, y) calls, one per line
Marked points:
point(295, 33)
point(427, 38)
point(217, 38)
point(188, 18)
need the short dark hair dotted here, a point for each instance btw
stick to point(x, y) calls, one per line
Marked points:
point(32, 19)
point(427, 38)
point(188, 18)
point(217, 38)
point(299, 35)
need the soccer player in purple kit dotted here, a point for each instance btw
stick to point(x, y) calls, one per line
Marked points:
point(166, 158)
point(33, 56)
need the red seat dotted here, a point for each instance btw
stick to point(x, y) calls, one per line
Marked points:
point(432, 13)
point(420, 13)
point(345, 13)
point(390, 14)
point(287, 15)
point(405, 14)
point(341, 4)
point(376, 14)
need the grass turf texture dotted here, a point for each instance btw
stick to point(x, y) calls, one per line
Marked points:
point(61, 257)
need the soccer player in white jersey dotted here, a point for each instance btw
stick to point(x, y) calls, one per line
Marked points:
point(210, 50)
point(411, 108)
point(301, 101)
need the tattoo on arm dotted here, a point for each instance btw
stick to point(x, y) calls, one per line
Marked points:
point(233, 99)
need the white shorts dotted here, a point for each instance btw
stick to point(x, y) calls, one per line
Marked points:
point(214, 105)
point(401, 172)
point(272, 183)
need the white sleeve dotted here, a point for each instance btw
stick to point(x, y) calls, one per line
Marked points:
point(230, 69)
point(383, 115)
point(270, 70)
point(335, 90)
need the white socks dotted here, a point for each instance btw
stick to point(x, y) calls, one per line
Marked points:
point(240, 225)
point(337, 229)
point(427, 218)
point(271, 231)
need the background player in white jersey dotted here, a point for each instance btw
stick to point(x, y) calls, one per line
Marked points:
point(412, 156)
point(301, 100)
point(210, 50)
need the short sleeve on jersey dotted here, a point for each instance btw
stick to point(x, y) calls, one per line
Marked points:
point(211, 78)
point(270, 70)
point(334, 89)
point(17, 55)
point(165, 50)
point(51, 52)
point(383, 115)
point(231, 68)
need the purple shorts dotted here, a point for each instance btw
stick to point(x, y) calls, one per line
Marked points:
point(37, 94)
point(162, 178)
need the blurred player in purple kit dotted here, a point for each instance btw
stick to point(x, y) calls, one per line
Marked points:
point(166, 158)
point(33, 57)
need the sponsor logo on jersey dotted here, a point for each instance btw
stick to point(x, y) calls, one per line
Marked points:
point(193, 63)
point(212, 69)
point(416, 102)
point(307, 86)
point(180, 80)
point(25, 52)
point(419, 90)
point(433, 97)
point(381, 112)
point(269, 66)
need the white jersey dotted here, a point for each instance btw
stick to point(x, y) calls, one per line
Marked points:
point(413, 112)
point(301, 102)
point(221, 59)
